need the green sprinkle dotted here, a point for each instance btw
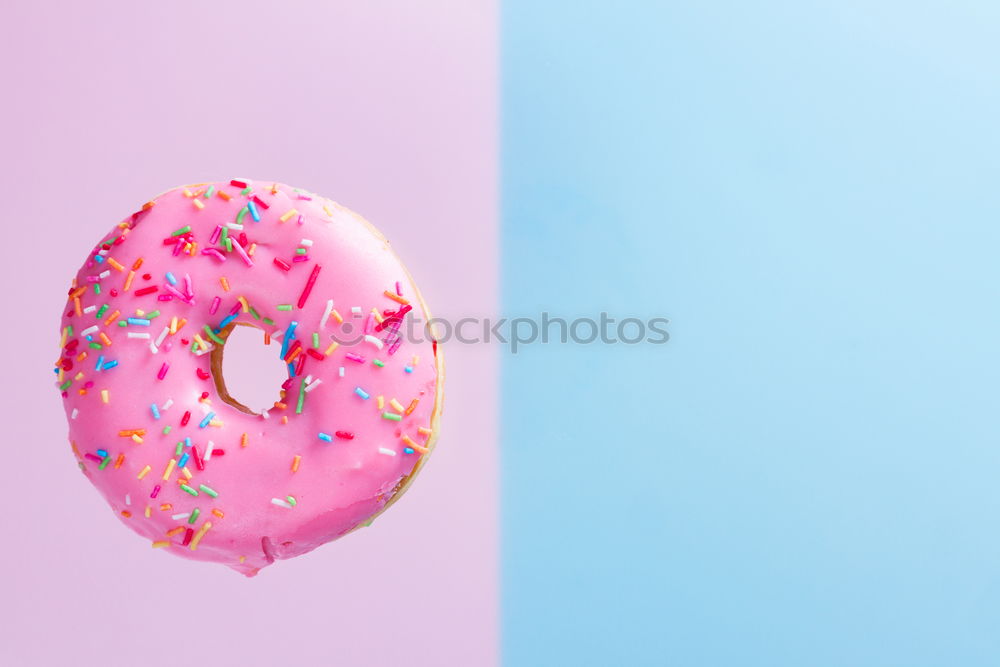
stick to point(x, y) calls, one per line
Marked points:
point(229, 244)
point(291, 500)
point(241, 215)
point(211, 334)
point(69, 329)
point(122, 323)
point(315, 339)
point(95, 346)
point(166, 429)
point(183, 230)
point(392, 416)
point(194, 515)
point(302, 397)
point(210, 191)
point(65, 385)
point(284, 306)
point(268, 321)
point(378, 362)
point(254, 312)
point(209, 491)
point(97, 288)
point(300, 251)
point(187, 489)
point(104, 463)
point(180, 448)
point(152, 314)
point(225, 235)
point(101, 311)
point(247, 190)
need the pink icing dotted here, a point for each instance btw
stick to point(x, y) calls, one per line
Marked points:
point(268, 510)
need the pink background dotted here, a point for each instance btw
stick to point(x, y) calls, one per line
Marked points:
point(388, 107)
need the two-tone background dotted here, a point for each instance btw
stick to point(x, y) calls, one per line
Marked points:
point(806, 474)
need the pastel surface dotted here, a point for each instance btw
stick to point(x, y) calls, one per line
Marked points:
point(187, 470)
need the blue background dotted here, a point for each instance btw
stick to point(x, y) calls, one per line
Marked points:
point(807, 473)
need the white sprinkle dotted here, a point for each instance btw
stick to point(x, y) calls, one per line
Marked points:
point(133, 334)
point(315, 383)
point(90, 309)
point(341, 372)
point(89, 330)
point(162, 336)
point(281, 503)
point(166, 406)
point(374, 341)
point(387, 452)
point(208, 451)
point(306, 243)
point(74, 414)
point(128, 499)
point(103, 253)
point(309, 378)
point(265, 414)
point(104, 274)
point(205, 408)
point(326, 313)
point(235, 225)
point(152, 347)
point(356, 310)
point(182, 515)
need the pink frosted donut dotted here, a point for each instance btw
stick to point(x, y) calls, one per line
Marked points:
point(151, 422)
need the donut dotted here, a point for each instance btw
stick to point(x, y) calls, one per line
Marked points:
point(157, 431)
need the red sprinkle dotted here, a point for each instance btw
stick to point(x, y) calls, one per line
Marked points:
point(198, 462)
point(309, 285)
point(315, 355)
point(188, 534)
point(238, 183)
point(282, 264)
point(202, 374)
point(146, 290)
point(346, 435)
point(218, 452)
point(186, 418)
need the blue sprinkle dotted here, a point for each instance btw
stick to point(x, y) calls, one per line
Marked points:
point(187, 442)
point(362, 393)
point(171, 279)
point(100, 260)
point(223, 323)
point(183, 460)
point(287, 339)
point(110, 364)
point(326, 437)
point(408, 369)
point(254, 213)
point(102, 452)
point(204, 422)
point(139, 321)
point(407, 450)
point(155, 410)
point(100, 362)
point(291, 370)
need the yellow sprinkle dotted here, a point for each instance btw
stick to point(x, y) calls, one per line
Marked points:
point(295, 463)
point(225, 283)
point(79, 376)
point(159, 544)
point(170, 469)
point(201, 342)
point(187, 472)
point(252, 249)
point(104, 396)
point(137, 438)
point(144, 471)
point(148, 511)
point(242, 559)
point(381, 402)
point(333, 346)
point(415, 360)
point(397, 406)
point(243, 302)
point(337, 316)
point(188, 193)
point(197, 204)
point(377, 315)
point(326, 209)
point(173, 325)
point(205, 527)
point(287, 216)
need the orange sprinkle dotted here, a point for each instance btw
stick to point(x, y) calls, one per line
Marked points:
point(333, 346)
point(114, 264)
point(128, 280)
point(104, 339)
point(280, 405)
point(111, 318)
point(175, 531)
point(295, 463)
point(224, 281)
point(337, 316)
point(410, 443)
point(274, 188)
point(252, 249)
point(77, 308)
point(205, 527)
point(80, 357)
point(119, 461)
point(136, 264)
point(294, 354)
point(424, 431)
point(412, 406)
point(223, 195)
point(126, 514)
point(287, 216)
point(243, 440)
point(166, 507)
point(78, 291)
point(188, 193)
point(148, 205)
point(267, 338)
point(219, 513)
point(159, 544)
point(395, 297)
point(127, 433)
point(284, 419)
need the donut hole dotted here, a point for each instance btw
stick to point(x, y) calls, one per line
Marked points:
point(247, 374)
